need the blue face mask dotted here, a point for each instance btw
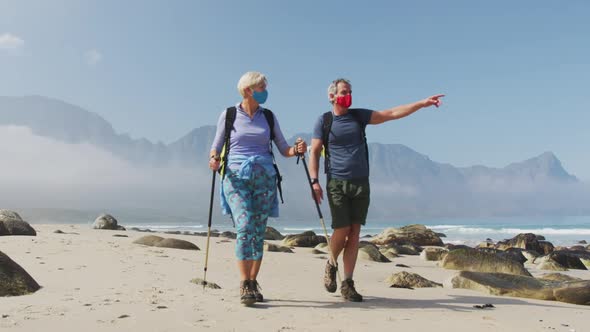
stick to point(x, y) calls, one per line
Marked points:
point(260, 97)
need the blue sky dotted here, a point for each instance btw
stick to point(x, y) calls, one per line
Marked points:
point(516, 74)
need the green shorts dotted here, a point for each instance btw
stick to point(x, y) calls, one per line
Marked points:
point(349, 201)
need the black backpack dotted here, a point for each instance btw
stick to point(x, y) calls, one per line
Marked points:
point(230, 118)
point(328, 118)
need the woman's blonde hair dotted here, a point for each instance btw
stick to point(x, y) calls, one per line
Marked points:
point(250, 79)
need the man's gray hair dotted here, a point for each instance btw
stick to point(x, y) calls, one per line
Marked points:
point(333, 88)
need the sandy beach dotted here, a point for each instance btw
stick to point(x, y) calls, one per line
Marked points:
point(93, 280)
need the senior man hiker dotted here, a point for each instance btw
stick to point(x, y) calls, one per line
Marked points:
point(341, 132)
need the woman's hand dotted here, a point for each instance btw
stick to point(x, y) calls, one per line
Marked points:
point(214, 162)
point(300, 147)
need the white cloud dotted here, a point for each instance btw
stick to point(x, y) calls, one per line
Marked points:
point(93, 57)
point(10, 42)
point(38, 171)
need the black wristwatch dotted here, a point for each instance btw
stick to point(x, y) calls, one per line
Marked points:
point(314, 181)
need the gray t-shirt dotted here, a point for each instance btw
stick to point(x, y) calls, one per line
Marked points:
point(348, 156)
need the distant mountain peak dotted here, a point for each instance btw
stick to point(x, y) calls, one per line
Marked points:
point(545, 164)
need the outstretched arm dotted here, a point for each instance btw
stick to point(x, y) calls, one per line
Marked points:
point(399, 112)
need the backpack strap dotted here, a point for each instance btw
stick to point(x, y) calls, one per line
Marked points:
point(327, 120)
point(230, 118)
point(363, 126)
point(270, 119)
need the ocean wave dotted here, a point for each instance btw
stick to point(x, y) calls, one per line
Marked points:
point(443, 227)
point(538, 231)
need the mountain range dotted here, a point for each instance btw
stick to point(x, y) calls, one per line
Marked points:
point(405, 183)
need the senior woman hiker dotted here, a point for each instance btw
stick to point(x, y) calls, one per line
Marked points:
point(249, 176)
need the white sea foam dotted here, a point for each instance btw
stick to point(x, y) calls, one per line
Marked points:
point(510, 231)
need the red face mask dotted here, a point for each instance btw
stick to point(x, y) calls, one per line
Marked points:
point(344, 101)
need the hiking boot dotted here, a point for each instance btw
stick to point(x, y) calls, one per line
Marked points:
point(254, 286)
point(247, 296)
point(348, 291)
point(330, 277)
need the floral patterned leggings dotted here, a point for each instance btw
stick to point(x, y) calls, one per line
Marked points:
point(250, 201)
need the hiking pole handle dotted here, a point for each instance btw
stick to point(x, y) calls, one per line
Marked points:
point(299, 155)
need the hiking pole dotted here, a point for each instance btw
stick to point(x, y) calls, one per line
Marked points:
point(209, 231)
point(317, 206)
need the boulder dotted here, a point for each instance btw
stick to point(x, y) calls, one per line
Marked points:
point(12, 224)
point(275, 248)
point(370, 252)
point(548, 264)
point(451, 246)
point(306, 239)
point(176, 244)
point(3, 229)
point(433, 253)
point(577, 292)
point(272, 234)
point(411, 234)
point(510, 253)
point(389, 253)
point(486, 244)
point(527, 241)
point(517, 254)
point(409, 280)
point(530, 255)
point(106, 221)
point(213, 234)
point(478, 261)
point(558, 277)
point(570, 259)
point(551, 266)
point(14, 280)
point(149, 240)
point(9, 215)
point(546, 247)
point(406, 249)
point(228, 235)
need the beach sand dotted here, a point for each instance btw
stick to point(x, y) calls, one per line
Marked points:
point(94, 281)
